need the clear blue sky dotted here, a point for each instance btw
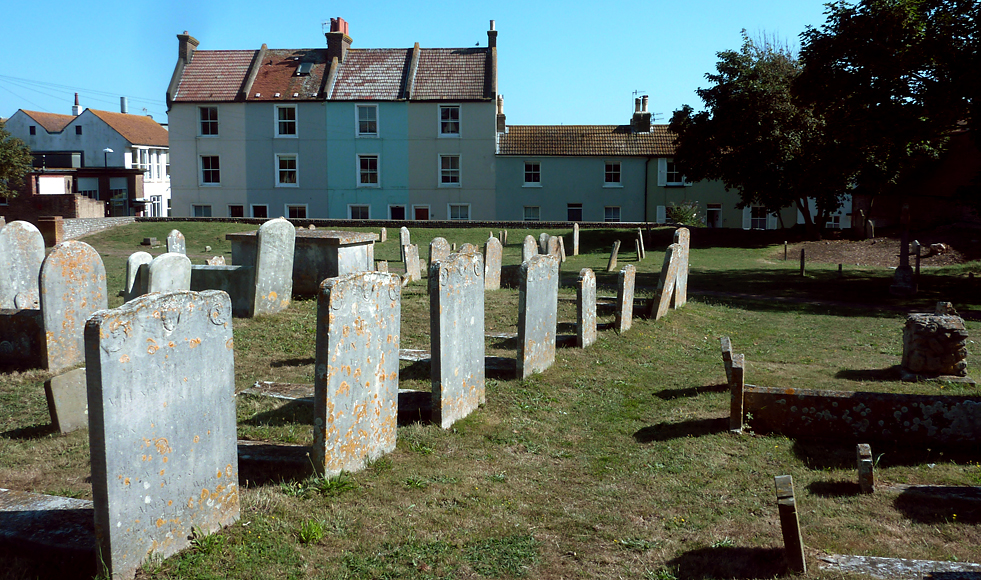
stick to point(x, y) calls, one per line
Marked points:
point(571, 62)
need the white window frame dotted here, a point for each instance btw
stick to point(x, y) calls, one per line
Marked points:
point(196, 206)
point(619, 216)
point(449, 211)
point(201, 170)
point(537, 171)
point(450, 171)
point(277, 122)
point(231, 205)
point(770, 220)
point(570, 206)
point(429, 211)
point(439, 120)
point(357, 120)
point(351, 206)
point(201, 121)
point(405, 210)
point(618, 170)
point(252, 207)
point(537, 213)
point(279, 171)
point(357, 169)
point(288, 206)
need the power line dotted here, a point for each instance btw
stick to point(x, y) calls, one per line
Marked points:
point(78, 89)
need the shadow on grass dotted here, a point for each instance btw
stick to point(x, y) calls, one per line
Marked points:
point(819, 455)
point(834, 488)
point(298, 411)
point(669, 394)
point(29, 433)
point(734, 563)
point(870, 375)
point(271, 463)
point(941, 504)
point(695, 428)
point(293, 362)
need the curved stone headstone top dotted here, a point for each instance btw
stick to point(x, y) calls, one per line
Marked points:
point(136, 284)
point(21, 255)
point(404, 236)
point(543, 242)
point(439, 248)
point(552, 247)
point(468, 248)
point(275, 246)
point(73, 287)
point(529, 248)
point(176, 242)
point(170, 272)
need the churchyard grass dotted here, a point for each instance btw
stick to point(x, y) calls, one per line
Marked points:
point(616, 462)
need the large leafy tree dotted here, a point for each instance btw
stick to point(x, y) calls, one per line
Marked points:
point(755, 138)
point(15, 162)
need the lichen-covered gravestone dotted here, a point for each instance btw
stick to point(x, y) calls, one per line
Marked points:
point(456, 309)
point(625, 298)
point(73, 286)
point(667, 285)
point(404, 240)
point(412, 272)
point(137, 277)
point(176, 242)
point(529, 248)
point(493, 253)
point(543, 242)
point(161, 398)
point(575, 239)
point(357, 370)
point(586, 308)
point(612, 264)
point(21, 255)
point(682, 237)
point(552, 247)
point(170, 272)
point(538, 296)
point(275, 245)
point(439, 248)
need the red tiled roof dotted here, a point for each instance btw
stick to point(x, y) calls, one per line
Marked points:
point(376, 74)
point(137, 129)
point(450, 74)
point(52, 122)
point(611, 140)
point(277, 74)
point(214, 75)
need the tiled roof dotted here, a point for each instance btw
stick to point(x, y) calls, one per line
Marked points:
point(450, 73)
point(583, 140)
point(52, 122)
point(278, 74)
point(372, 74)
point(214, 75)
point(137, 129)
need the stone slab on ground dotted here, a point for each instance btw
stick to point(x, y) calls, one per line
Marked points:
point(894, 568)
point(68, 401)
point(58, 531)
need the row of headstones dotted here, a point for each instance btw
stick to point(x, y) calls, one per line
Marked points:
point(638, 245)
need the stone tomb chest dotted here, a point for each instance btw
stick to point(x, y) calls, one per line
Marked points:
point(319, 254)
point(935, 346)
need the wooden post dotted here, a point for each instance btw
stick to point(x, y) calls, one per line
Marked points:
point(736, 384)
point(841, 273)
point(785, 250)
point(802, 261)
point(789, 524)
point(866, 474)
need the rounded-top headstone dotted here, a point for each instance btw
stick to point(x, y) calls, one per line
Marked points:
point(21, 255)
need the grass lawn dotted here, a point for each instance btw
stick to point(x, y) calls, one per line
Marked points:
point(614, 463)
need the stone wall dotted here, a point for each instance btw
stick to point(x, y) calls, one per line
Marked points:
point(76, 228)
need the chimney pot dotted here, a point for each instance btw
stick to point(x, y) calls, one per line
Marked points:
point(492, 36)
point(637, 105)
point(123, 105)
point(645, 104)
point(492, 25)
point(77, 109)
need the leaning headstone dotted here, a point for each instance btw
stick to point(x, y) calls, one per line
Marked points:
point(543, 243)
point(357, 371)
point(625, 298)
point(411, 253)
point(562, 255)
point(136, 276)
point(275, 245)
point(575, 239)
point(439, 248)
point(73, 286)
point(493, 254)
point(383, 237)
point(637, 249)
point(404, 240)
point(529, 248)
point(664, 296)
point(170, 272)
point(552, 248)
point(586, 308)
point(640, 239)
point(21, 255)
point(456, 298)
point(789, 524)
point(161, 398)
point(176, 242)
point(682, 237)
point(537, 303)
point(611, 266)
point(67, 403)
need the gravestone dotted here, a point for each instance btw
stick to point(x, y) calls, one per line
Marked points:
point(215, 261)
point(356, 376)
point(637, 249)
point(170, 272)
point(439, 248)
point(21, 255)
point(575, 239)
point(625, 298)
point(383, 236)
point(500, 236)
point(381, 266)
point(552, 248)
point(537, 304)
point(73, 286)
point(612, 264)
point(586, 308)
point(453, 247)
point(469, 248)
point(275, 246)
point(562, 255)
point(640, 239)
point(529, 248)
point(866, 468)
point(67, 402)
point(136, 275)
point(682, 237)
point(176, 242)
point(504, 238)
point(403, 240)
point(162, 433)
point(493, 255)
point(411, 253)
point(667, 285)
point(543, 243)
point(456, 306)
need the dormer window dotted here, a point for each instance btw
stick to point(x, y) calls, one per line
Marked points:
point(304, 69)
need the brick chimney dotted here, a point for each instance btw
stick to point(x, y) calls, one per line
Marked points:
point(338, 40)
point(641, 121)
point(491, 36)
point(76, 109)
point(501, 119)
point(185, 47)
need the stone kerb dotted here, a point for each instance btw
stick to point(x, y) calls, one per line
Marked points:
point(537, 304)
point(586, 308)
point(170, 272)
point(493, 256)
point(357, 370)
point(161, 398)
point(411, 257)
point(275, 246)
point(625, 298)
point(136, 277)
point(682, 237)
point(457, 333)
point(439, 248)
point(176, 243)
point(73, 286)
point(21, 255)
point(529, 248)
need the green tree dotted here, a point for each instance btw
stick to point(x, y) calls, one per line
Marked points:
point(15, 162)
point(756, 139)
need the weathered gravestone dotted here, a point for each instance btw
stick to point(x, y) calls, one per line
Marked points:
point(136, 275)
point(412, 272)
point(275, 245)
point(381, 266)
point(403, 240)
point(383, 237)
point(543, 243)
point(640, 241)
point(529, 248)
point(357, 371)
point(586, 308)
point(575, 239)
point(176, 242)
point(682, 237)
point(67, 401)
point(553, 248)
point(439, 248)
point(625, 298)
point(456, 306)
point(469, 248)
point(21, 255)
point(215, 261)
point(170, 272)
point(667, 285)
point(562, 255)
point(493, 255)
point(161, 397)
point(73, 286)
point(538, 297)
point(612, 264)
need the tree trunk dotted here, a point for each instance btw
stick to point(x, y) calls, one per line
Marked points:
point(811, 230)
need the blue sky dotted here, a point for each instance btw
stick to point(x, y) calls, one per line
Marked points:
point(571, 62)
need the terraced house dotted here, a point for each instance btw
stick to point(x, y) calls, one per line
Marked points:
point(335, 132)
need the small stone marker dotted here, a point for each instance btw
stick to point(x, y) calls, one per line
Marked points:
point(73, 286)
point(439, 248)
point(149, 242)
point(611, 266)
point(170, 272)
point(537, 304)
point(866, 474)
point(543, 243)
point(553, 248)
point(640, 256)
point(682, 237)
point(21, 255)
point(411, 253)
point(504, 240)
point(215, 261)
point(311, 227)
point(357, 370)
point(529, 248)
point(457, 333)
point(562, 255)
point(381, 266)
point(586, 308)
point(625, 298)
point(383, 236)
point(176, 242)
point(643, 250)
point(453, 247)
point(500, 236)
point(736, 385)
point(493, 255)
point(404, 240)
point(793, 543)
point(67, 402)
point(161, 397)
point(575, 239)
point(275, 245)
